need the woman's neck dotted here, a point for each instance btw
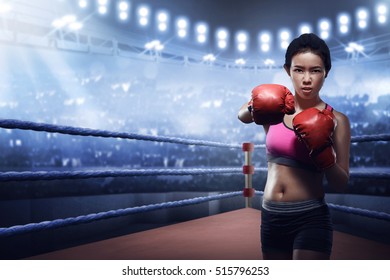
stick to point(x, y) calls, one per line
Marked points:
point(302, 104)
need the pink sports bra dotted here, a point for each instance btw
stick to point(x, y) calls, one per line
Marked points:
point(283, 147)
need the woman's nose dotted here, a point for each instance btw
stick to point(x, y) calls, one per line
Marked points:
point(306, 77)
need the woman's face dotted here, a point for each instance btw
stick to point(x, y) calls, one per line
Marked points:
point(307, 73)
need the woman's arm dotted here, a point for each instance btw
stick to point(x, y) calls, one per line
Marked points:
point(244, 115)
point(338, 175)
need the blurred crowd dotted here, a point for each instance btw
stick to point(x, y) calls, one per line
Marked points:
point(206, 114)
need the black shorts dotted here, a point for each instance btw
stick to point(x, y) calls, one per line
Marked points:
point(296, 228)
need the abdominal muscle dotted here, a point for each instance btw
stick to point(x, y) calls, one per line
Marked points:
point(285, 183)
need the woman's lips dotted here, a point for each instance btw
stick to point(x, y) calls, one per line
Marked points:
point(307, 90)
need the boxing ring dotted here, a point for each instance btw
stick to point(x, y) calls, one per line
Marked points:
point(230, 235)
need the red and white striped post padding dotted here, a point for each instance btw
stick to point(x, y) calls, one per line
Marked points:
point(248, 170)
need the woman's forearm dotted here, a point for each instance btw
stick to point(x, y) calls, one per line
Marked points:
point(337, 178)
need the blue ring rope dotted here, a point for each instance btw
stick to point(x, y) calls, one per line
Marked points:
point(20, 229)
point(370, 138)
point(60, 175)
point(360, 211)
point(26, 125)
point(33, 227)
point(369, 175)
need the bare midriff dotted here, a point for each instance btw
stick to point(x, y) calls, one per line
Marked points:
point(285, 183)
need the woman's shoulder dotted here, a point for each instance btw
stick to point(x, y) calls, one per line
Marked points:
point(342, 120)
point(340, 116)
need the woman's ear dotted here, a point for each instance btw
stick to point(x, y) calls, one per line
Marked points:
point(287, 69)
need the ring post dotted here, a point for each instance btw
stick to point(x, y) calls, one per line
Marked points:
point(248, 170)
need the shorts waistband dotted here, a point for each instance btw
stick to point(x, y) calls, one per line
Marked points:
point(293, 206)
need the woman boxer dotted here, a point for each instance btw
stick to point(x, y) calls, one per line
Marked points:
point(306, 139)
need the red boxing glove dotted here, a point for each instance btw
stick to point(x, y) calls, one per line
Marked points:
point(270, 102)
point(315, 128)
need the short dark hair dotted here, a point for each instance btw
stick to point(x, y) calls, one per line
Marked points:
point(309, 42)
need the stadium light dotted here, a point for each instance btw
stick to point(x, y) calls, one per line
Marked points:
point(154, 45)
point(102, 10)
point(83, 4)
point(304, 28)
point(362, 17)
point(240, 61)
point(143, 13)
point(324, 28)
point(75, 26)
point(123, 8)
point(222, 36)
point(284, 37)
point(242, 39)
point(67, 21)
point(102, 6)
point(381, 11)
point(201, 30)
point(354, 50)
point(162, 21)
point(209, 58)
point(354, 47)
point(265, 40)
point(182, 25)
point(344, 22)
